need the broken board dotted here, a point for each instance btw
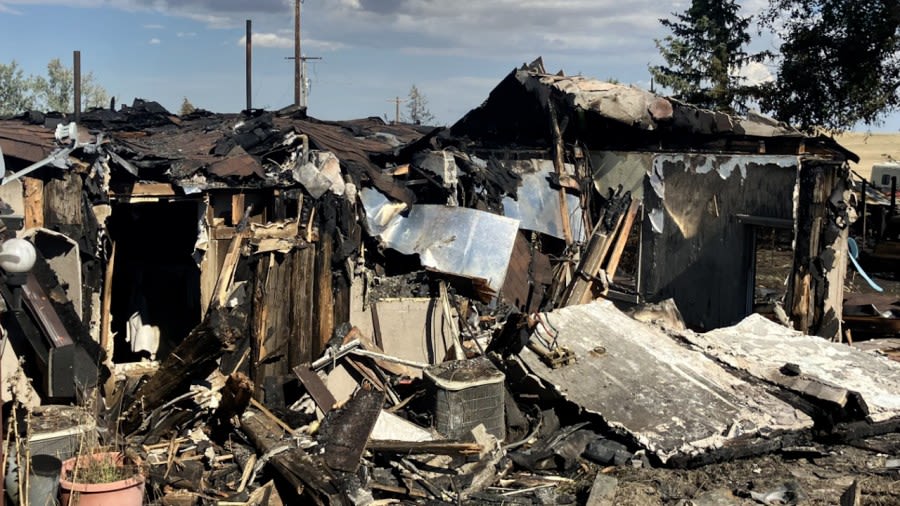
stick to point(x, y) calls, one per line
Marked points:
point(677, 403)
point(820, 368)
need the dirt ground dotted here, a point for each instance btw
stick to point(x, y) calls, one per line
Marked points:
point(818, 478)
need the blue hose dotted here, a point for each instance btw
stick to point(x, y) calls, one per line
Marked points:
point(854, 254)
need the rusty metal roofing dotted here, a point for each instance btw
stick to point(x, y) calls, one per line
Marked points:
point(27, 142)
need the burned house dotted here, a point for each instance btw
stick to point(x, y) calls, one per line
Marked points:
point(322, 295)
point(707, 181)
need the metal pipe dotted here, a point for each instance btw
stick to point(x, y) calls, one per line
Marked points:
point(77, 79)
point(249, 65)
point(863, 208)
point(62, 154)
point(298, 62)
point(893, 195)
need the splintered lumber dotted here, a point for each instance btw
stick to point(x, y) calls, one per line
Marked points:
point(613, 265)
point(597, 248)
point(676, 402)
point(861, 385)
point(195, 358)
point(301, 470)
point(34, 202)
point(431, 447)
point(226, 273)
point(346, 431)
point(559, 153)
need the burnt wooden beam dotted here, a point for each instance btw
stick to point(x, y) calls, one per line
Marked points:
point(814, 299)
point(559, 154)
point(307, 474)
point(430, 447)
point(195, 358)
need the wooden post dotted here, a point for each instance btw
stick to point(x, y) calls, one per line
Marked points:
point(816, 286)
point(559, 152)
point(34, 202)
point(76, 56)
point(324, 297)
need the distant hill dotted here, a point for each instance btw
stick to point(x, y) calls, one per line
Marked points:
point(872, 148)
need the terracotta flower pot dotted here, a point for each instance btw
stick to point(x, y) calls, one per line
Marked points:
point(127, 492)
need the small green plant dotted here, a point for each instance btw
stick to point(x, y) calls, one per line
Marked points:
point(100, 468)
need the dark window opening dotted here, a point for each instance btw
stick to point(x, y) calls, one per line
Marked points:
point(156, 282)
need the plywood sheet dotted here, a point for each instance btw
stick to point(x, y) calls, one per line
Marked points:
point(674, 401)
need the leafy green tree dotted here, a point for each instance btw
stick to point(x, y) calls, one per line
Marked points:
point(417, 106)
point(54, 92)
point(15, 90)
point(705, 50)
point(839, 62)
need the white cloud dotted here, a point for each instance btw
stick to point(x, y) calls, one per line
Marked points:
point(277, 40)
point(154, 41)
point(755, 73)
point(8, 10)
point(154, 26)
point(186, 35)
point(268, 40)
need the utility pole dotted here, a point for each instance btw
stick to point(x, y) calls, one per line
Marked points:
point(298, 58)
point(76, 66)
point(300, 85)
point(249, 41)
point(397, 101)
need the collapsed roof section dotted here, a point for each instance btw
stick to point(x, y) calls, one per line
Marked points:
point(607, 115)
point(202, 150)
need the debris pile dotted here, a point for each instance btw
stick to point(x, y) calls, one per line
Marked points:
point(267, 307)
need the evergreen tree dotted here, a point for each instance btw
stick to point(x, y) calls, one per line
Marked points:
point(703, 54)
point(839, 63)
point(417, 105)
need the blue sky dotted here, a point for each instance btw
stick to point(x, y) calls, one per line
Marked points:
point(372, 50)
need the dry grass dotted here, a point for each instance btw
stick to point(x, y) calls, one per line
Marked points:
point(872, 148)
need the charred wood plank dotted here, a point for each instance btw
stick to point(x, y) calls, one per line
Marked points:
point(346, 431)
point(622, 239)
point(316, 387)
point(431, 447)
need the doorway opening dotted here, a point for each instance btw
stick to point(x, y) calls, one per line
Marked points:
point(773, 259)
point(156, 282)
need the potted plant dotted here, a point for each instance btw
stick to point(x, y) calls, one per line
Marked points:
point(101, 478)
